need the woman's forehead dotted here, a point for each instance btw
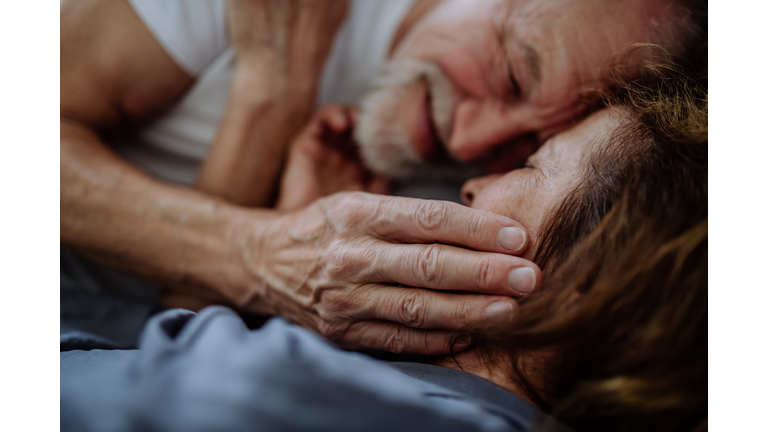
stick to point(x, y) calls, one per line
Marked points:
point(579, 139)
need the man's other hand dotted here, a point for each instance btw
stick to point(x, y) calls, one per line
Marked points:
point(324, 160)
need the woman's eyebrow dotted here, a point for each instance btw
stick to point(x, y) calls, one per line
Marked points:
point(548, 156)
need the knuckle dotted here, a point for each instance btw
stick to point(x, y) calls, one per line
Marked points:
point(352, 209)
point(426, 263)
point(348, 199)
point(485, 273)
point(411, 310)
point(395, 341)
point(476, 227)
point(334, 305)
point(324, 328)
point(335, 332)
point(340, 202)
point(463, 315)
point(337, 259)
point(342, 260)
point(432, 215)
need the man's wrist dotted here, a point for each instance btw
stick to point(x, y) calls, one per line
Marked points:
point(232, 255)
point(262, 87)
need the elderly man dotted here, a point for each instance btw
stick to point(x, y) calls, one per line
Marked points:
point(157, 97)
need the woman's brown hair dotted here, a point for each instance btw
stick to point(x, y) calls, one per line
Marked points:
point(624, 303)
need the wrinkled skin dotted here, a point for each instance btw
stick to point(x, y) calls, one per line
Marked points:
point(340, 244)
point(202, 246)
point(330, 265)
point(517, 72)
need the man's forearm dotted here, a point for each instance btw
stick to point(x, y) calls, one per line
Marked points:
point(244, 163)
point(280, 49)
point(116, 215)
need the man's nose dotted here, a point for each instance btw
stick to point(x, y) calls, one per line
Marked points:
point(473, 187)
point(480, 125)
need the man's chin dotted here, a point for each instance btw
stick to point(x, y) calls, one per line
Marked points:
point(386, 150)
point(401, 162)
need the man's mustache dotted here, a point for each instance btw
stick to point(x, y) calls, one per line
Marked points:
point(385, 144)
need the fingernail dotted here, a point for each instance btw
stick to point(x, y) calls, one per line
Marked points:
point(512, 238)
point(522, 280)
point(461, 341)
point(498, 312)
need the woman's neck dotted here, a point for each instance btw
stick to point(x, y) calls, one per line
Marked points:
point(498, 371)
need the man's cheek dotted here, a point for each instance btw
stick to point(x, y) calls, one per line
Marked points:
point(467, 72)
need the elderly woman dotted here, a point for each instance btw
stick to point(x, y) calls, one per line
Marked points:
point(616, 338)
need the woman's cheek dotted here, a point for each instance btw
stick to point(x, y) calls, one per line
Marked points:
point(499, 198)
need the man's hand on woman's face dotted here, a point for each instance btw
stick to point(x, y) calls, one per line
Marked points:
point(336, 267)
point(323, 160)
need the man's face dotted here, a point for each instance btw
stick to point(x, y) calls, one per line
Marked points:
point(487, 81)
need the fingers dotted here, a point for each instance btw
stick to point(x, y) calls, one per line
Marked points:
point(445, 267)
point(330, 127)
point(336, 123)
point(339, 121)
point(397, 338)
point(425, 309)
point(427, 221)
point(336, 117)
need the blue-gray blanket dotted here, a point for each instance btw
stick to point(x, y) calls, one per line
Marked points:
point(209, 372)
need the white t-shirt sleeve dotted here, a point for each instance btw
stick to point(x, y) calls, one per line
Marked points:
point(192, 32)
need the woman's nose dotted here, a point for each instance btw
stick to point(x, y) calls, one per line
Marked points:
point(474, 187)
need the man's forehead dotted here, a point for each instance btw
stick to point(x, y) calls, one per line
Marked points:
point(577, 40)
point(509, 14)
point(656, 19)
point(581, 17)
point(535, 27)
point(543, 11)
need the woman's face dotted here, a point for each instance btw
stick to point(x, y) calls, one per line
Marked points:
point(528, 194)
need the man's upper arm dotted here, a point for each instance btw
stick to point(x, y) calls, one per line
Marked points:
point(193, 32)
point(113, 70)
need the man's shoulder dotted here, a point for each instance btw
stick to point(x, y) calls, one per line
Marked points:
point(361, 48)
point(193, 32)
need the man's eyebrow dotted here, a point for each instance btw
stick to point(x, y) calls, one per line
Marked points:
point(533, 59)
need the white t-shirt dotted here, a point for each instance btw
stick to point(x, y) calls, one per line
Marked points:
point(194, 33)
